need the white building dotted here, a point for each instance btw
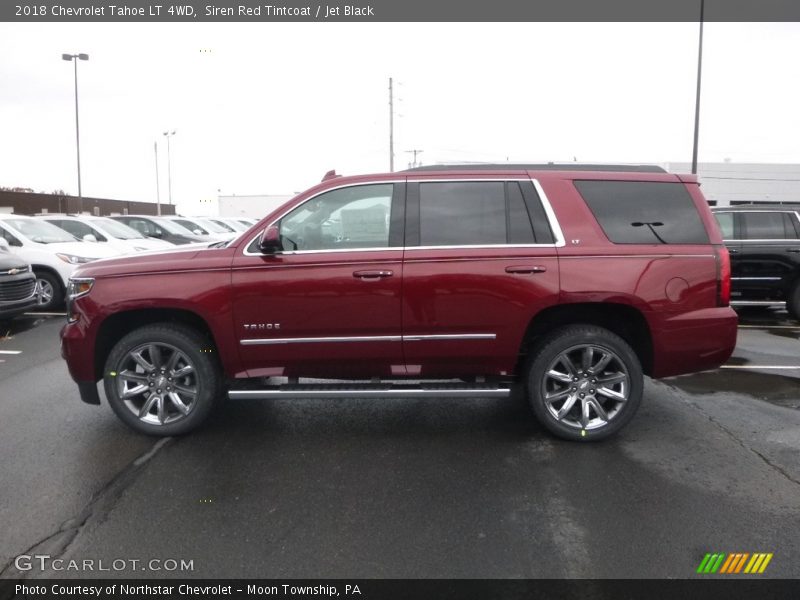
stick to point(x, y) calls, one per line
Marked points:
point(729, 183)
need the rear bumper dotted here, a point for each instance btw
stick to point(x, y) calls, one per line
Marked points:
point(694, 341)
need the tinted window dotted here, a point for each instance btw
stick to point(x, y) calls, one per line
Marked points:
point(352, 217)
point(767, 226)
point(462, 213)
point(519, 222)
point(78, 229)
point(725, 222)
point(644, 212)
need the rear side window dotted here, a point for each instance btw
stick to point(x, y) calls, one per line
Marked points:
point(644, 212)
point(481, 213)
point(767, 226)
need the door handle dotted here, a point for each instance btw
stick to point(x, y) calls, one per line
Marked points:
point(733, 251)
point(525, 269)
point(372, 274)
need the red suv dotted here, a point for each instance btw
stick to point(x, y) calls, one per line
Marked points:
point(447, 281)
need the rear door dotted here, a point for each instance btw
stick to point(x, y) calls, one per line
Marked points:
point(769, 254)
point(480, 260)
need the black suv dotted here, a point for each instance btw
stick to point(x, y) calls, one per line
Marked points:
point(764, 244)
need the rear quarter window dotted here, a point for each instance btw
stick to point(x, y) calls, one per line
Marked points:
point(644, 212)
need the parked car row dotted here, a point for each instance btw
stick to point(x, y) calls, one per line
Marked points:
point(39, 254)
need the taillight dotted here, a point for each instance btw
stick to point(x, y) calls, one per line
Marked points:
point(723, 276)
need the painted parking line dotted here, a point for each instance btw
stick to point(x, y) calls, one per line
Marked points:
point(783, 367)
point(10, 351)
point(797, 327)
point(45, 314)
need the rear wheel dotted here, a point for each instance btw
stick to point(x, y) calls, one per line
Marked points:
point(793, 303)
point(584, 383)
point(162, 379)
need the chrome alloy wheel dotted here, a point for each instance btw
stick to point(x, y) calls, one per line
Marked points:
point(158, 383)
point(586, 386)
point(44, 292)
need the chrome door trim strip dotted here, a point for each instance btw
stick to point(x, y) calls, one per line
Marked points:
point(756, 278)
point(368, 338)
point(450, 336)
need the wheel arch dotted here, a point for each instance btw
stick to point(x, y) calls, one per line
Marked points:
point(121, 323)
point(622, 319)
point(36, 267)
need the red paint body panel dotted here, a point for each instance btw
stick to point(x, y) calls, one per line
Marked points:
point(462, 291)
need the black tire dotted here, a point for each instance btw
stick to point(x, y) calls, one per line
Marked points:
point(551, 374)
point(51, 292)
point(124, 375)
point(793, 303)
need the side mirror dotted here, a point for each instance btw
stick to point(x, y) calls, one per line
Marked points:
point(89, 237)
point(156, 233)
point(270, 240)
point(4, 247)
point(198, 232)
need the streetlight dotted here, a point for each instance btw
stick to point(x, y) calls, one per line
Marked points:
point(697, 96)
point(169, 134)
point(75, 58)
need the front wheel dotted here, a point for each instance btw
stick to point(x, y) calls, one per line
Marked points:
point(50, 292)
point(584, 383)
point(162, 379)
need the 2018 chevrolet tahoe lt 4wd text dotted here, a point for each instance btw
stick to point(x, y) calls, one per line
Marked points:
point(446, 281)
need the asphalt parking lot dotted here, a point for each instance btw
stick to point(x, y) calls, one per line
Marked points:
point(404, 488)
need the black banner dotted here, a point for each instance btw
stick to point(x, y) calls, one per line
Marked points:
point(393, 10)
point(733, 588)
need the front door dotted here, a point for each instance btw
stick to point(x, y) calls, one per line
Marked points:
point(328, 303)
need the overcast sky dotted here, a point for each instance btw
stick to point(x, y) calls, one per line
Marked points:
point(264, 108)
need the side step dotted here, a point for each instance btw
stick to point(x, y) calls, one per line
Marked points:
point(775, 303)
point(375, 390)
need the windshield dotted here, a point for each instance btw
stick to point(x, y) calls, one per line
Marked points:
point(41, 232)
point(118, 230)
point(172, 226)
point(211, 226)
point(232, 225)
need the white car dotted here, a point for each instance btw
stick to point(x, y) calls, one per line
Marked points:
point(52, 252)
point(106, 231)
point(203, 226)
point(234, 224)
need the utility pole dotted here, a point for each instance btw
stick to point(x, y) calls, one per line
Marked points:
point(391, 126)
point(75, 58)
point(697, 99)
point(169, 134)
point(414, 152)
point(158, 188)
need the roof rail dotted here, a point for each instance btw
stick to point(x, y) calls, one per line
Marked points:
point(540, 167)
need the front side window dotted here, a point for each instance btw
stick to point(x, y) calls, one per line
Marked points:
point(347, 218)
point(767, 226)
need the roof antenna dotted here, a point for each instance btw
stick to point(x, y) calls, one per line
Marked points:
point(330, 175)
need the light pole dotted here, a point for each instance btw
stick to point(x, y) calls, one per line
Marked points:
point(697, 97)
point(158, 188)
point(169, 134)
point(75, 58)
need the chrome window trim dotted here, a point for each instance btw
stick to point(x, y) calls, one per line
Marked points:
point(368, 338)
point(555, 227)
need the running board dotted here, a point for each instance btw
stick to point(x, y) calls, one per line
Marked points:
point(758, 303)
point(377, 390)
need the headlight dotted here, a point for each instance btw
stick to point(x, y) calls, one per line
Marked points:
point(77, 287)
point(74, 260)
